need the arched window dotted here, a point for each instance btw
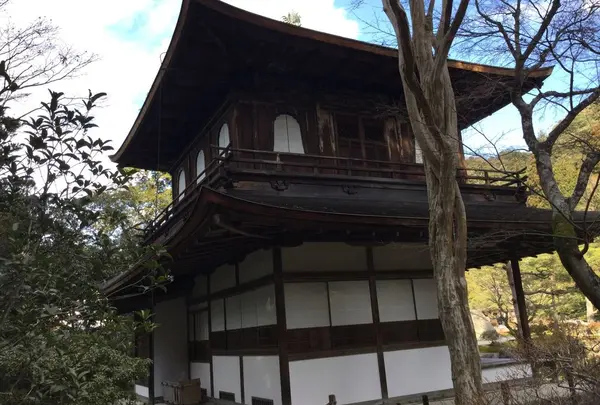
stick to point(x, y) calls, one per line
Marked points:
point(200, 166)
point(418, 153)
point(224, 137)
point(288, 137)
point(181, 184)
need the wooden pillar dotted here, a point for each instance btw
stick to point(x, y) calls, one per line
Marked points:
point(375, 313)
point(151, 353)
point(188, 328)
point(284, 361)
point(520, 296)
point(211, 371)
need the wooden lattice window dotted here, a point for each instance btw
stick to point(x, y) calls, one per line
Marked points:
point(261, 401)
point(227, 396)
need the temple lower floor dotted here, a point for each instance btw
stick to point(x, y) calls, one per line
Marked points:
point(293, 325)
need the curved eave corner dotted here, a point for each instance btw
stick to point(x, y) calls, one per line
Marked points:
point(181, 21)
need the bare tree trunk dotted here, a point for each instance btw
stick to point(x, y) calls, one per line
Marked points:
point(570, 256)
point(431, 109)
point(566, 240)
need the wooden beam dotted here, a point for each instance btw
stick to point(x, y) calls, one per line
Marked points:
point(212, 374)
point(523, 318)
point(284, 363)
point(375, 313)
point(151, 350)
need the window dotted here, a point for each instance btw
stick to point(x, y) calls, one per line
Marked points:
point(200, 166)
point(181, 184)
point(287, 135)
point(224, 138)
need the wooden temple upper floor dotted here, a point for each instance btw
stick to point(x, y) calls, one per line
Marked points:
point(319, 142)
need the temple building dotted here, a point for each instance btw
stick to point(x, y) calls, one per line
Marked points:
point(299, 222)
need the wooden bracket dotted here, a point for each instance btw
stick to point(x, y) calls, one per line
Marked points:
point(280, 185)
point(350, 190)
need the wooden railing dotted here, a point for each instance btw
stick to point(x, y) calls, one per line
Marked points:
point(269, 162)
point(327, 165)
point(183, 199)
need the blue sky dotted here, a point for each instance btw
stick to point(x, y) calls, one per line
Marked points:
point(129, 37)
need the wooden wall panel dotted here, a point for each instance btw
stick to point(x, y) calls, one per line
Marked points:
point(392, 137)
point(309, 339)
point(325, 132)
point(430, 330)
point(265, 116)
point(407, 142)
point(353, 336)
point(244, 125)
point(199, 351)
point(399, 332)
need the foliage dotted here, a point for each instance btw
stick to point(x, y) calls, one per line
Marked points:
point(293, 17)
point(550, 291)
point(60, 340)
point(33, 56)
point(567, 369)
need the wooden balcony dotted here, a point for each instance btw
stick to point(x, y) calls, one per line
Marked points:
point(230, 166)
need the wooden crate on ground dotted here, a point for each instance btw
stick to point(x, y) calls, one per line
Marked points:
point(182, 392)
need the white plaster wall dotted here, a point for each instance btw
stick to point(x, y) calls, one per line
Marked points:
point(426, 298)
point(142, 391)
point(200, 286)
point(170, 343)
point(349, 378)
point(201, 371)
point(330, 256)
point(256, 265)
point(402, 256)
point(261, 378)
point(217, 312)
point(203, 333)
point(199, 325)
point(222, 278)
point(258, 307)
point(233, 308)
point(306, 305)
point(416, 371)
point(199, 306)
point(350, 302)
point(395, 300)
point(508, 372)
point(226, 372)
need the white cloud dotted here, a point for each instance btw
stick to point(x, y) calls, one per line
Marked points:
point(129, 37)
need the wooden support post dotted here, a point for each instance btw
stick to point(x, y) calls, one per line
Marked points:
point(331, 400)
point(520, 295)
point(151, 353)
point(284, 361)
point(375, 315)
point(425, 400)
point(210, 342)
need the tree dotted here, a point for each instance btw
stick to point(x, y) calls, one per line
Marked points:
point(293, 17)
point(34, 56)
point(529, 35)
point(422, 57)
point(60, 339)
